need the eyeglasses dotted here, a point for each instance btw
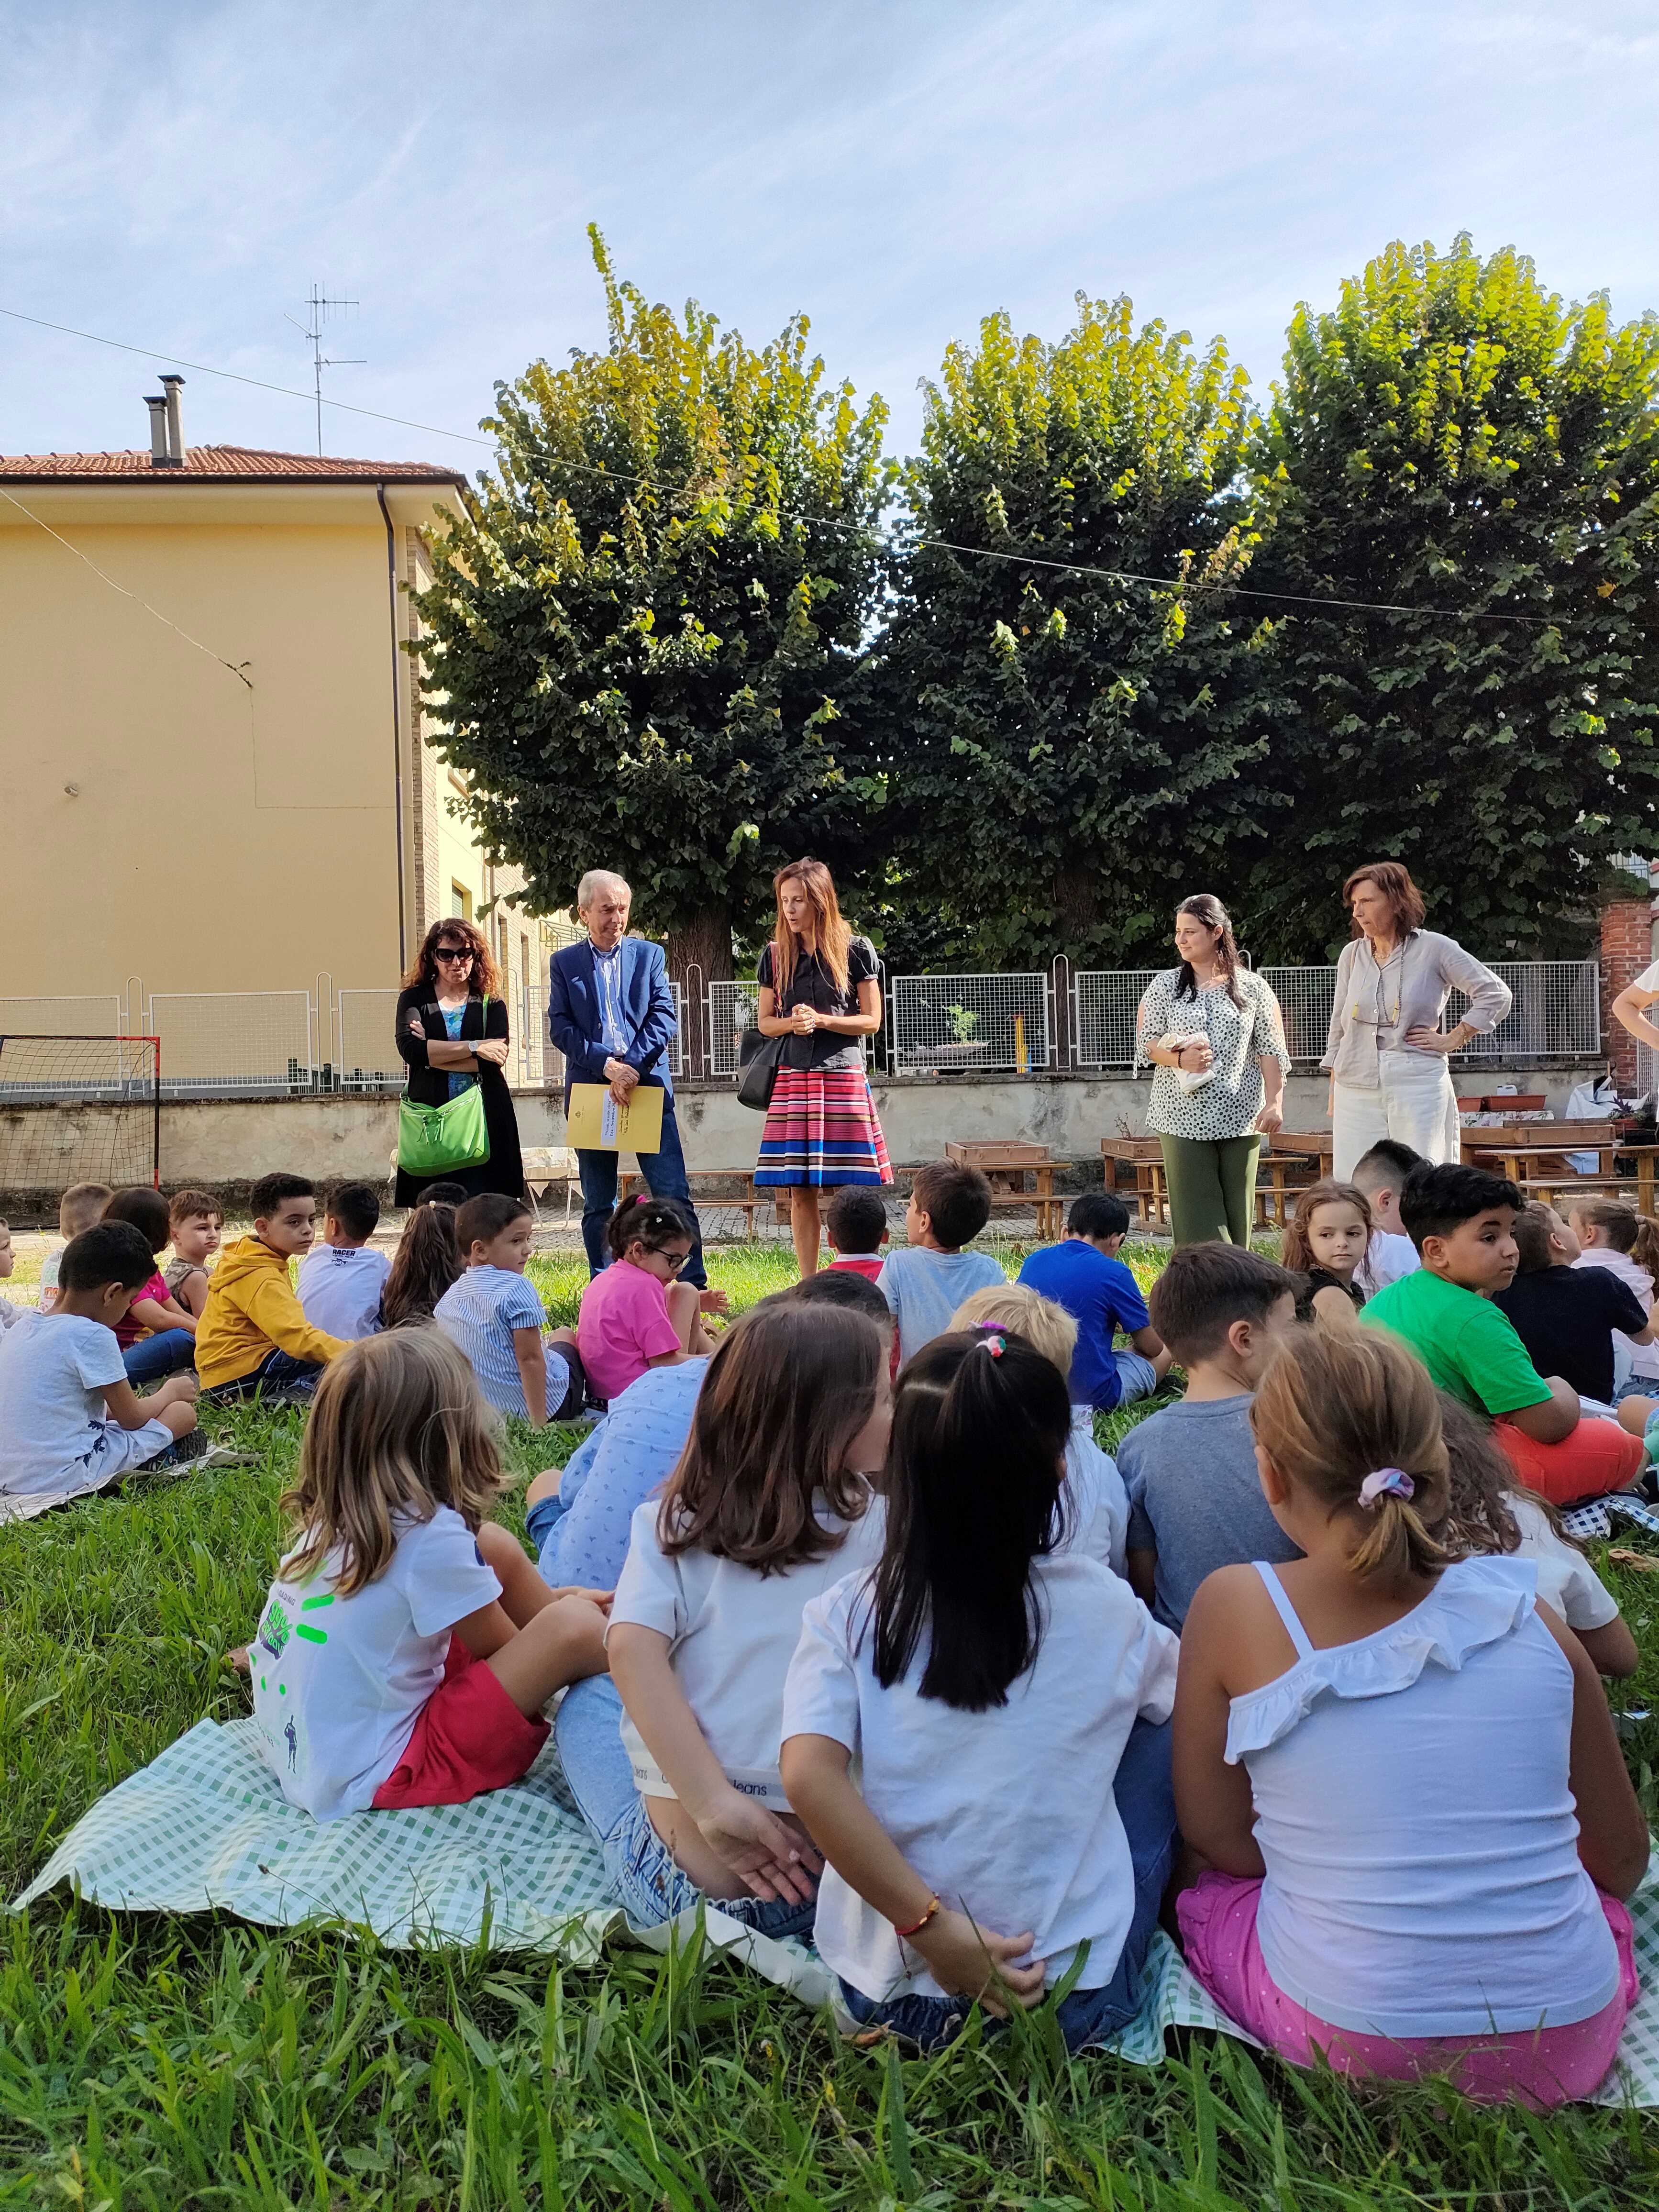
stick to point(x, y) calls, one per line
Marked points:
point(461, 952)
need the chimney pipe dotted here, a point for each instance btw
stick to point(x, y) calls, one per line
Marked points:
point(158, 431)
point(171, 386)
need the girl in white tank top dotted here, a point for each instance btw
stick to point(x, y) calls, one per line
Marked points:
point(1414, 1866)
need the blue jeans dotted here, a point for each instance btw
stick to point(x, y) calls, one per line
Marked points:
point(664, 1177)
point(167, 1353)
point(641, 1867)
point(1145, 1804)
point(277, 1370)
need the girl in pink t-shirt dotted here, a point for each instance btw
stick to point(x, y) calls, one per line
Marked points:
point(635, 1315)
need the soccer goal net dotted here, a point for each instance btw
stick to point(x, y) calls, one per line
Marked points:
point(77, 1110)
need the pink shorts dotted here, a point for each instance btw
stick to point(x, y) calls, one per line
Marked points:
point(1598, 1456)
point(470, 1737)
point(1535, 2066)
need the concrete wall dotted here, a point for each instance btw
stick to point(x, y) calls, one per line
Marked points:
point(226, 1143)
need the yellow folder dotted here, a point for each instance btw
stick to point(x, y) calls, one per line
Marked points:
point(595, 1123)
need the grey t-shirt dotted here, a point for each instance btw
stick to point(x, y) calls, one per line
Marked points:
point(1194, 1499)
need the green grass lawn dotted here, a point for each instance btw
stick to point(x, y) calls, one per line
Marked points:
point(152, 2062)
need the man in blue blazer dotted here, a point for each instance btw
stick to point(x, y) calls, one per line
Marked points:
point(610, 1012)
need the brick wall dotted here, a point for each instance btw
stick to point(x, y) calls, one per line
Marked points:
point(1626, 950)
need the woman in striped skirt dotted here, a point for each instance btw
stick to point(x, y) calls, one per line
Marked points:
point(817, 988)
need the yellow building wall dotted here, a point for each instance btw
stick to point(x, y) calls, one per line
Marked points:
point(217, 838)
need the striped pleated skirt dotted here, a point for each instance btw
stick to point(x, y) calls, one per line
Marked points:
point(821, 1128)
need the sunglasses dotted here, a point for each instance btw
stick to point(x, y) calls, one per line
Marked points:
point(461, 952)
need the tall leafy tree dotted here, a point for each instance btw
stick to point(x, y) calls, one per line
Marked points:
point(644, 624)
point(1077, 749)
point(1452, 440)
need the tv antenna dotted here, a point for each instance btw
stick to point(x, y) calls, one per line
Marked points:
point(321, 307)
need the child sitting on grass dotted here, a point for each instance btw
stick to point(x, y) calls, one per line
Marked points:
point(157, 1336)
point(1195, 1503)
point(1379, 1752)
point(1084, 1274)
point(1461, 1220)
point(1615, 1237)
point(495, 1316)
point(1569, 1318)
point(253, 1339)
point(1379, 1176)
point(635, 1313)
point(928, 1279)
point(855, 1229)
point(1326, 1240)
point(1489, 1512)
point(770, 1503)
point(408, 1645)
point(1094, 1506)
point(1011, 1826)
point(341, 1280)
point(427, 1261)
point(70, 1419)
point(195, 1224)
point(82, 1204)
point(9, 1314)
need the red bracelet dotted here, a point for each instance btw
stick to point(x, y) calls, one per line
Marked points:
point(904, 1932)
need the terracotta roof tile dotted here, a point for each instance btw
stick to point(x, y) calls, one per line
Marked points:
point(218, 464)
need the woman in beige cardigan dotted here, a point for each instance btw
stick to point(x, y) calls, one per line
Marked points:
point(1387, 1053)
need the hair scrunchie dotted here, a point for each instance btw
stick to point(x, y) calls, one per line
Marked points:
point(1387, 1482)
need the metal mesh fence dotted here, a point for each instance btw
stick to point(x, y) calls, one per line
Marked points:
point(90, 1017)
point(1557, 1014)
point(730, 1012)
point(676, 1054)
point(1306, 997)
point(1106, 1000)
point(95, 1116)
point(959, 1023)
point(365, 1055)
point(225, 1044)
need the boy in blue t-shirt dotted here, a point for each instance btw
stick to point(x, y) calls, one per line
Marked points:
point(1083, 1274)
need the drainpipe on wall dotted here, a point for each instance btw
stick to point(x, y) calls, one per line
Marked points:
point(396, 720)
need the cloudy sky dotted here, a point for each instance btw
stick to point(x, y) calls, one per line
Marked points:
point(177, 176)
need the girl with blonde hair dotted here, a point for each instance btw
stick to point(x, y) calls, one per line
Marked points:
point(408, 1645)
point(1400, 1767)
point(817, 990)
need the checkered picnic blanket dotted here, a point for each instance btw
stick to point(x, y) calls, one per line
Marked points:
point(205, 1826)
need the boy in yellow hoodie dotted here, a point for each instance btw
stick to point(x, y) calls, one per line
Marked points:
point(253, 1339)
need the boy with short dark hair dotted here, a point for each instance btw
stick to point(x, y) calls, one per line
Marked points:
point(1084, 1274)
point(1463, 1222)
point(496, 1318)
point(69, 1419)
point(341, 1280)
point(195, 1223)
point(855, 1228)
point(1379, 1176)
point(82, 1204)
point(927, 1281)
point(253, 1339)
point(1195, 1501)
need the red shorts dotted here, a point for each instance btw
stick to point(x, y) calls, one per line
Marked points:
point(1598, 1456)
point(470, 1737)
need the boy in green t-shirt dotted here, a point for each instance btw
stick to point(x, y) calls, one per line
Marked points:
point(1462, 1221)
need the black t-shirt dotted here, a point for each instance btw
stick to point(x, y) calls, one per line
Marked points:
point(812, 984)
point(1565, 1317)
point(1320, 1279)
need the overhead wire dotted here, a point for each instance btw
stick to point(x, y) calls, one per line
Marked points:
point(815, 521)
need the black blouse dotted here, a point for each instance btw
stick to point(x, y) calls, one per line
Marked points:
point(812, 984)
point(1320, 1279)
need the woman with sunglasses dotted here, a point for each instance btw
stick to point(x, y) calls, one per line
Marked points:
point(452, 1032)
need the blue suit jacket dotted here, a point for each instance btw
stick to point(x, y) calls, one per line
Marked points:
point(572, 1013)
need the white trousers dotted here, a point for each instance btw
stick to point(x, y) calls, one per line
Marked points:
point(1415, 1105)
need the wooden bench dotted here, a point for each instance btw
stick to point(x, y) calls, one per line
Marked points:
point(1005, 1166)
point(630, 1179)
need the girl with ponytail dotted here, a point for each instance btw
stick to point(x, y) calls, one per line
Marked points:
point(1006, 1698)
point(1400, 1767)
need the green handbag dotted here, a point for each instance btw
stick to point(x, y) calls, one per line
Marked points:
point(435, 1141)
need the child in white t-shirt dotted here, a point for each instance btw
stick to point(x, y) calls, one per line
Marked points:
point(769, 1503)
point(408, 1645)
point(70, 1421)
point(341, 1280)
point(9, 1314)
point(1002, 1833)
point(80, 1205)
point(1095, 1505)
point(1616, 1237)
point(1379, 1176)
